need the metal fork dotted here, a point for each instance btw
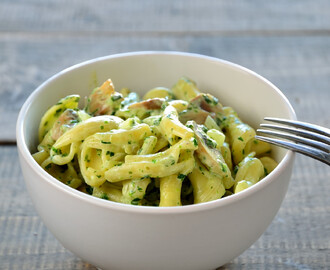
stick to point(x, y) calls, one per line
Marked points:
point(308, 139)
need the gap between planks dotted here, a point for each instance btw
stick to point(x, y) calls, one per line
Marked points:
point(229, 33)
point(7, 143)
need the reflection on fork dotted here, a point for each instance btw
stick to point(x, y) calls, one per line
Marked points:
point(308, 139)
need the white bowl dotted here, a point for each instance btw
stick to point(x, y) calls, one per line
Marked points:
point(116, 236)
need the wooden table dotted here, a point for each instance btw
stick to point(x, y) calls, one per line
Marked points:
point(287, 42)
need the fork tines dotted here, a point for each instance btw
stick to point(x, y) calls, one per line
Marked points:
point(305, 138)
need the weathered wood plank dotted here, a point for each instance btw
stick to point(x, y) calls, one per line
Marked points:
point(297, 238)
point(299, 66)
point(164, 16)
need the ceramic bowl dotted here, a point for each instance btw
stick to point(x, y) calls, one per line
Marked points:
point(110, 235)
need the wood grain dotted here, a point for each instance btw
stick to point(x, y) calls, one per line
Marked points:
point(301, 72)
point(182, 17)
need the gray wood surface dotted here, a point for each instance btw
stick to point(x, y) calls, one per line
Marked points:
point(181, 16)
point(287, 42)
point(299, 66)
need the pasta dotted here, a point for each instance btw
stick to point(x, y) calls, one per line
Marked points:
point(173, 147)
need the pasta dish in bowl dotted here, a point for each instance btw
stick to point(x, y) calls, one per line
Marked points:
point(168, 129)
point(175, 146)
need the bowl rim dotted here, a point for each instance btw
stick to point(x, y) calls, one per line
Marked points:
point(27, 156)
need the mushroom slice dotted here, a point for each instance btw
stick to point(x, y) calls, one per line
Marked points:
point(200, 108)
point(149, 104)
point(210, 156)
point(143, 108)
point(67, 120)
point(207, 103)
point(197, 115)
point(104, 100)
